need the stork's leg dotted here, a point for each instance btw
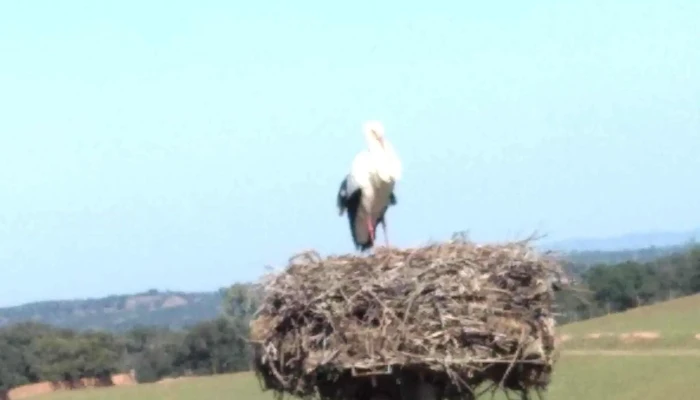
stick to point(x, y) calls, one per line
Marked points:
point(386, 235)
point(370, 228)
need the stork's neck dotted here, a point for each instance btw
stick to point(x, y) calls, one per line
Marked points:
point(386, 163)
point(376, 148)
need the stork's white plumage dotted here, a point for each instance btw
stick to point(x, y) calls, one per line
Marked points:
point(368, 190)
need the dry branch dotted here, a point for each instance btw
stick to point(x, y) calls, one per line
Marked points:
point(455, 313)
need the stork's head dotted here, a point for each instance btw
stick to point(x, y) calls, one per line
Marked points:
point(388, 164)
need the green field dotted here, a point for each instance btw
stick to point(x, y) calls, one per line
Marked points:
point(667, 367)
point(675, 322)
point(578, 377)
point(675, 317)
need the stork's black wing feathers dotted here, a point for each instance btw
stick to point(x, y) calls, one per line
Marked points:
point(348, 199)
point(349, 195)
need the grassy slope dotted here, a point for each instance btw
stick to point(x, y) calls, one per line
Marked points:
point(679, 316)
point(630, 375)
point(676, 322)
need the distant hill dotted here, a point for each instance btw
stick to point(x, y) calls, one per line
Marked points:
point(639, 247)
point(594, 257)
point(120, 312)
point(631, 241)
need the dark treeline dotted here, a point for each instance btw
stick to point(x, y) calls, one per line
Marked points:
point(607, 288)
point(33, 352)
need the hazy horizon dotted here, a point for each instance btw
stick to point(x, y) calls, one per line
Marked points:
point(620, 242)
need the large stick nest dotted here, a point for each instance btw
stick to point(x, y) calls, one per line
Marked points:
point(456, 313)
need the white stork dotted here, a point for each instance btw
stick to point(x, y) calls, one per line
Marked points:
point(368, 190)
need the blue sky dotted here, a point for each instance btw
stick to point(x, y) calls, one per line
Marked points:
point(182, 146)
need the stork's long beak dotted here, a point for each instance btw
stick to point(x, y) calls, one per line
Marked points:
point(379, 139)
